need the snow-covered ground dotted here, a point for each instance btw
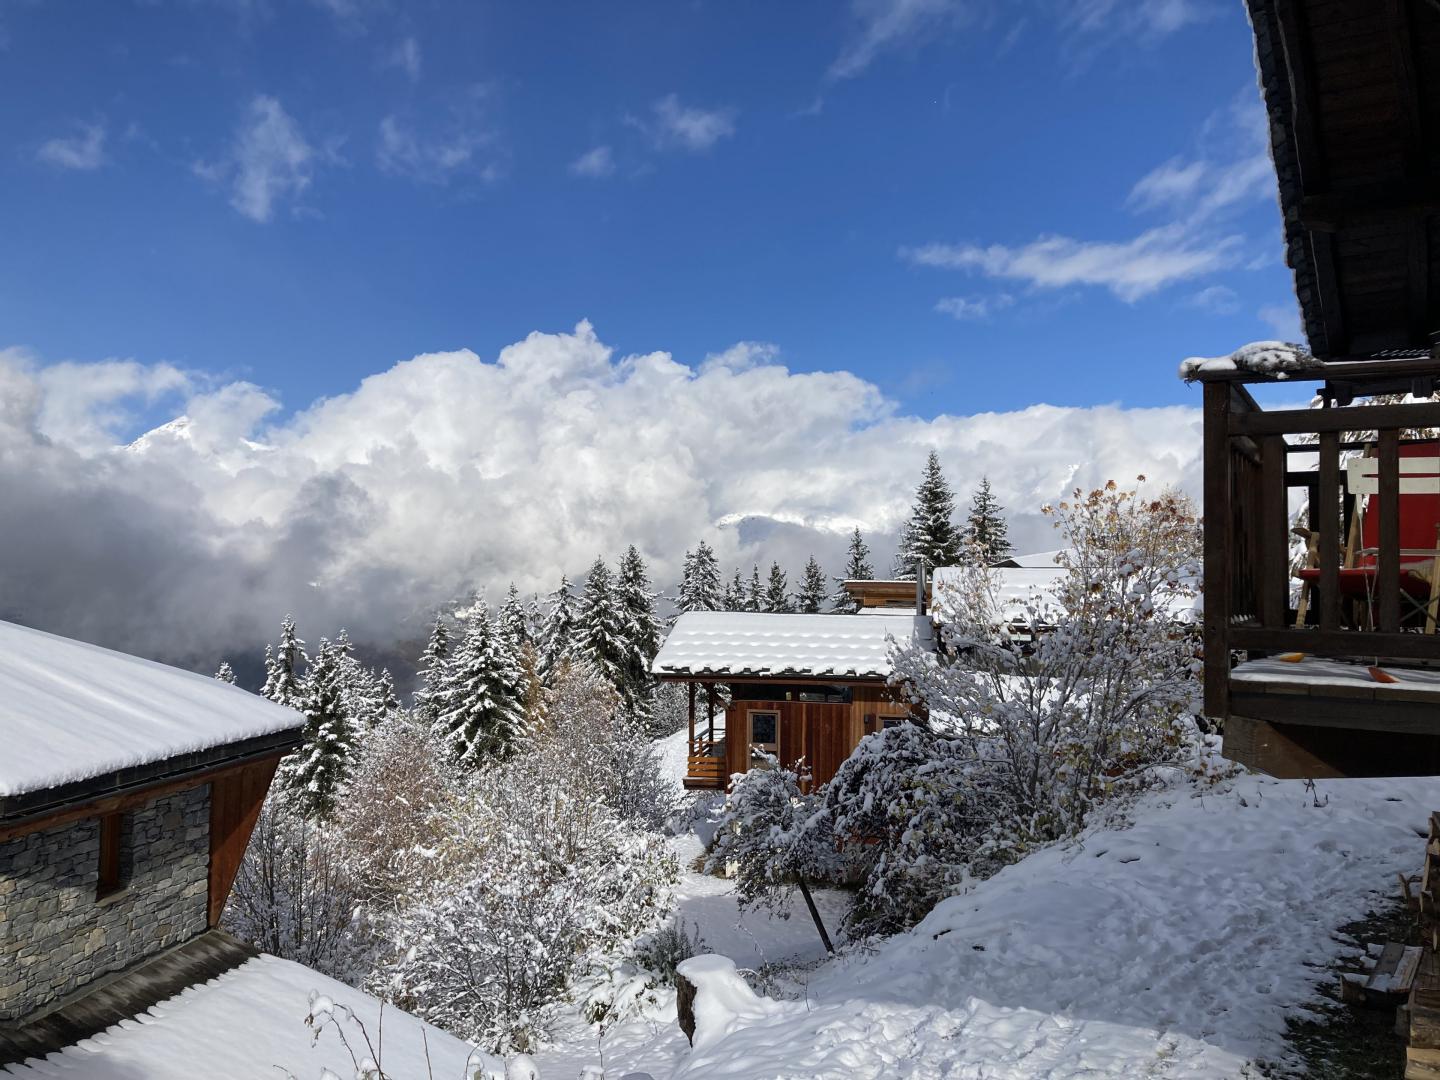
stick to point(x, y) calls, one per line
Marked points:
point(1174, 947)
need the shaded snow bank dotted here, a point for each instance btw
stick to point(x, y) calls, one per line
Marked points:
point(1175, 947)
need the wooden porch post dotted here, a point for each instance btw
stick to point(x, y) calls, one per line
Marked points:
point(692, 716)
point(1217, 548)
point(710, 712)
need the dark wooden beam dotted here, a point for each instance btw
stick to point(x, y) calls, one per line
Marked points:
point(1388, 563)
point(1217, 540)
point(1327, 513)
point(1354, 643)
point(1350, 418)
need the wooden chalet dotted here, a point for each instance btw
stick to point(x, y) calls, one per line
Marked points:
point(798, 687)
point(1338, 669)
point(128, 792)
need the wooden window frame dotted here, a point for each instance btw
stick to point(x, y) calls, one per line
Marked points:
point(769, 748)
point(111, 879)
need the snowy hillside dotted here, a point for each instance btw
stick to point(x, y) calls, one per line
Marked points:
point(1174, 947)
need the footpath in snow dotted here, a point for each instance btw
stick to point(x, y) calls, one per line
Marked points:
point(1175, 947)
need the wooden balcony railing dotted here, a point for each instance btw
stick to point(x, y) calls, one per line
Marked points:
point(1250, 472)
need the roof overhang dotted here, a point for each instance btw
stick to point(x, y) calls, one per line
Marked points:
point(1354, 114)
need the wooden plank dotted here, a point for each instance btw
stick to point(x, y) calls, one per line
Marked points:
point(1388, 575)
point(1274, 534)
point(1357, 643)
point(1217, 525)
point(1401, 717)
point(1349, 418)
point(1329, 522)
point(235, 802)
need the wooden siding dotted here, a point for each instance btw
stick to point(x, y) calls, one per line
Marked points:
point(823, 733)
point(235, 801)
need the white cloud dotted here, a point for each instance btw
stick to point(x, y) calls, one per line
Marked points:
point(1283, 320)
point(404, 55)
point(688, 127)
point(84, 150)
point(1131, 269)
point(448, 472)
point(269, 161)
point(462, 141)
point(1129, 20)
point(597, 162)
point(973, 307)
point(886, 25)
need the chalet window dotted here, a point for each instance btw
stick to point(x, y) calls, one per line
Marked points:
point(764, 733)
point(112, 876)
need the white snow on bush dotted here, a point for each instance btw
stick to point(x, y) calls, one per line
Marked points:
point(250, 1023)
point(1178, 946)
point(1260, 357)
point(70, 711)
point(753, 644)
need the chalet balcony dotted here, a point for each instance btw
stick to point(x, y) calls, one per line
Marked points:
point(1321, 651)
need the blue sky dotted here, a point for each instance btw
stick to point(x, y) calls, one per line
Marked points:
point(974, 206)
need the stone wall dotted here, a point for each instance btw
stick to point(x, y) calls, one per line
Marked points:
point(55, 936)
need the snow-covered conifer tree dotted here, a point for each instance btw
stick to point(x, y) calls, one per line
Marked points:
point(225, 674)
point(557, 636)
point(754, 591)
point(700, 583)
point(359, 687)
point(389, 700)
point(317, 771)
point(483, 692)
point(857, 568)
point(601, 628)
point(284, 682)
point(930, 534)
point(777, 592)
point(513, 623)
point(734, 598)
point(642, 640)
point(811, 597)
point(430, 695)
point(986, 529)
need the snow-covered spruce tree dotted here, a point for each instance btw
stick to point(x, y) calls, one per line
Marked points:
point(513, 623)
point(754, 591)
point(557, 637)
point(360, 692)
point(318, 771)
point(1101, 693)
point(483, 691)
point(734, 598)
point(601, 629)
point(700, 581)
point(642, 638)
point(430, 694)
point(857, 568)
point(225, 674)
point(930, 534)
point(777, 592)
point(389, 700)
point(284, 683)
point(986, 529)
point(811, 597)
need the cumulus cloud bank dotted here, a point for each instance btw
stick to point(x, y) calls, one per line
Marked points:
point(450, 472)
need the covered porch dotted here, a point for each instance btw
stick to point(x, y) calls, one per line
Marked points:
point(705, 759)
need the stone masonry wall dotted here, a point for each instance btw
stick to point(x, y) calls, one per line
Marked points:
point(55, 936)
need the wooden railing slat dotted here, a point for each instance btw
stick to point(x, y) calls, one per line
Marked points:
point(1388, 565)
point(1328, 515)
point(1274, 535)
point(1217, 548)
point(1350, 418)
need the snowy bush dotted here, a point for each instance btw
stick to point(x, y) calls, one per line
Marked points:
point(297, 895)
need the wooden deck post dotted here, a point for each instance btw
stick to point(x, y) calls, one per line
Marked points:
point(1217, 548)
point(692, 717)
point(710, 712)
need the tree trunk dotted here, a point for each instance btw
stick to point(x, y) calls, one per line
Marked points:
point(815, 914)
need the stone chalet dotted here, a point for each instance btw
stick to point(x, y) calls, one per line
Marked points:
point(128, 791)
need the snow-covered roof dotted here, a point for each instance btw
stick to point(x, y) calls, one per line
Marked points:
point(1020, 588)
point(71, 711)
point(1035, 559)
point(247, 1023)
point(1276, 358)
point(742, 644)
